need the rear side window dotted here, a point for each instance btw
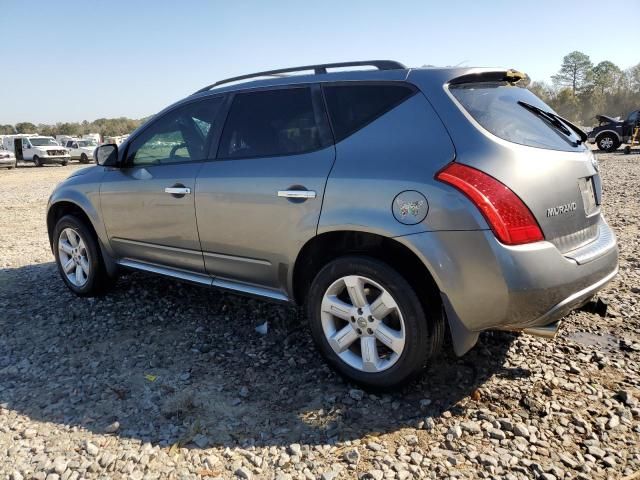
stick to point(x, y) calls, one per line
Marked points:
point(494, 105)
point(352, 107)
point(271, 123)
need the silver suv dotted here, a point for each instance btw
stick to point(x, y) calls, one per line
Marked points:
point(395, 203)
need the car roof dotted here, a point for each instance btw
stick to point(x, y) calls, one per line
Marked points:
point(340, 76)
point(431, 76)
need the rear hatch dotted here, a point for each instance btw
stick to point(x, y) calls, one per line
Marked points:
point(541, 157)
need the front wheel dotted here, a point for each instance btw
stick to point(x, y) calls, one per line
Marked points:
point(369, 323)
point(36, 161)
point(608, 142)
point(78, 257)
point(84, 158)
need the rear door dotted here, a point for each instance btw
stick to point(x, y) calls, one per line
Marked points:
point(260, 201)
point(557, 179)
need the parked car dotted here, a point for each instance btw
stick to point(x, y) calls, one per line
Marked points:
point(7, 159)
point(37, 149)
point(81, 150)
point(394, 203)
point(613, 132)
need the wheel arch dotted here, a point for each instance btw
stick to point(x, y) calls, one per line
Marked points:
point(600, 134)
point(325, 247)
point(59, 209)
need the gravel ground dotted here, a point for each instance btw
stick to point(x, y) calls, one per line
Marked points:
point(165, 380)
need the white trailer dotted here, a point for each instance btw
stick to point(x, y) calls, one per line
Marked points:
point(92, 136)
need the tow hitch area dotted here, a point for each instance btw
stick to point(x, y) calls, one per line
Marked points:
point(595, 305)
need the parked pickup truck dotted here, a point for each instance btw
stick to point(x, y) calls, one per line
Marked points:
point(613, 132)
point(81, 149)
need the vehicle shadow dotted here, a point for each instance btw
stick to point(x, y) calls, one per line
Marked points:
point(175, 363)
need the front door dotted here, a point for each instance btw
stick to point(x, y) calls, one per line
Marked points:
point(148, 203)
point(260, 201)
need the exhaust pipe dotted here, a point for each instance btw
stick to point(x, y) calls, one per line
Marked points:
point(548, 331)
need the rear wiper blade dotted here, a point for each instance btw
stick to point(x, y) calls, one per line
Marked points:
point(581, 133)
point(562, 124)
point(547, 116)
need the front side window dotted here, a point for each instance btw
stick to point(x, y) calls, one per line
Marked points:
point(271, 123)
point(351, 107)
point(182, 135)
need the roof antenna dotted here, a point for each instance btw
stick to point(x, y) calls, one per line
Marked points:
point(460, 64)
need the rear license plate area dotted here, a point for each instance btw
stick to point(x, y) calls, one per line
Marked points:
point(587, 190)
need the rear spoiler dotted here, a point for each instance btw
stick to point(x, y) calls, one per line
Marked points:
point(511, 76)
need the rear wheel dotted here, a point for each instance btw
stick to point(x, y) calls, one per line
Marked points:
point(608, 142)
point(369, 324)
point(36, 161)
point(78, 257)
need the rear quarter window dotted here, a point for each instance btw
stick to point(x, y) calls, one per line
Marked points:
point(352, 107)
point(494, 105)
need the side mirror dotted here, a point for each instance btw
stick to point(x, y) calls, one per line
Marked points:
point(106, 155)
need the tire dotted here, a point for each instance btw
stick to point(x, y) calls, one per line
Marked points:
point(64, 163)
point(84, 158)
point(421, 336)
point(608, 142)
point(96, 280)
point(627, 150)
point(36, 161)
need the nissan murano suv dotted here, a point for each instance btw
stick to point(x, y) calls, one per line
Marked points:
point(394, 203)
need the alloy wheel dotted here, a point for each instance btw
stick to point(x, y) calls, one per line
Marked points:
point(363, 324)
point(74, 257)
point(606, 143)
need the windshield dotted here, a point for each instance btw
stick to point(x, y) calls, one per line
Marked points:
point(87, 143)
point(498, 107)
point(43, 142)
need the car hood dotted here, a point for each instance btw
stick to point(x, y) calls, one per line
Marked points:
point(82, 171)
point(605, 119)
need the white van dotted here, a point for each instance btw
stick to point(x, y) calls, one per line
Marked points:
point(37, 149)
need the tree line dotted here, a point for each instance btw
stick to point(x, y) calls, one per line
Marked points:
point(104, 126)
point(579, 91)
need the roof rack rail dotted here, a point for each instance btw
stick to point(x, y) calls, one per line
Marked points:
point(318, 69)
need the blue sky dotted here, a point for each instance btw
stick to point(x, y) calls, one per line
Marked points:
point(76, 60)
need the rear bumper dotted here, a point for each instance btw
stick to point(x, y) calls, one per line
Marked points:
point(488, 285)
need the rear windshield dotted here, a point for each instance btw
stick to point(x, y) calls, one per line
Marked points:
point(494, 105)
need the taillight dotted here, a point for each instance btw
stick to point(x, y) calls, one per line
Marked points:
point(509, 218)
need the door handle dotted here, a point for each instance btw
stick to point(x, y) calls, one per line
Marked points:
point(304, 194)
point(177, 190)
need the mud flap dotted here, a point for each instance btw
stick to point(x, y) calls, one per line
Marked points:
point(463, 339)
